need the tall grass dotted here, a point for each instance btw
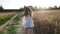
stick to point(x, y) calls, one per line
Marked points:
point(47, 23)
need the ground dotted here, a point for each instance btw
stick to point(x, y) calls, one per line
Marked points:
point(46, 22)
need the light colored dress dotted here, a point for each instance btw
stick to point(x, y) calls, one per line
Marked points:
point(27, 21)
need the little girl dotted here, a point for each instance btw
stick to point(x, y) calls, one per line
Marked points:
point(27, 20)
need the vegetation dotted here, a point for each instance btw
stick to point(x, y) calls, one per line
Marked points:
point(11, 28)
point(3, 20)
point(1, 9)
point(47, 22)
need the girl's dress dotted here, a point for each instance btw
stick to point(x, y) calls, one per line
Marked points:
point(27, 22)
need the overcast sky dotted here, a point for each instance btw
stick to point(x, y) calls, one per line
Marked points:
point(16, 4)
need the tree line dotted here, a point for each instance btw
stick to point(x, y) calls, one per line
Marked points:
point(22, 9)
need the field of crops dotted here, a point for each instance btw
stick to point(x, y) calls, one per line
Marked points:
point(2, 15)
point(6, 16)
point(47, 22)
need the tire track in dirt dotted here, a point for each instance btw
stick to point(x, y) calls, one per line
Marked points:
point(2, 26)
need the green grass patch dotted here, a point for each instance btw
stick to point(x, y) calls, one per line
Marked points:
point(16, 18)
point(14, 26)
point(3, 20)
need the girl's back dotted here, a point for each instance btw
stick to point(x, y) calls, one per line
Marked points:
point(27, 21)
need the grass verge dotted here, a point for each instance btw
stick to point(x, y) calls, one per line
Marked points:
point(3, 20)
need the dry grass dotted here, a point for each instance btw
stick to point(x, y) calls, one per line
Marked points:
point(47, 22)
point(2, 15)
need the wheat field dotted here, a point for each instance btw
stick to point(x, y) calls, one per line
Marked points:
point(47, 22)
point(2, 15)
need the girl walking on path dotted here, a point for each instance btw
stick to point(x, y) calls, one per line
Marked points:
point(27, 21)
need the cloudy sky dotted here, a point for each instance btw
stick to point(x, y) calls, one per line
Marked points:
point(16, 4)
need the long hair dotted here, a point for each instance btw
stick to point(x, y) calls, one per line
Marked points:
point(28, 11)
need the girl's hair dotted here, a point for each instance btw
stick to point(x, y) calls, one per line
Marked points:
point(28, 11)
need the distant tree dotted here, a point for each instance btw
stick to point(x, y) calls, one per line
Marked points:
point(55, 7)
point(50, 7)
point(1, 9)
point(21, 9)
point(59, 7)
point(35, 8)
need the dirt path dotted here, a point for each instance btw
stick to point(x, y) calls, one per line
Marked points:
point(2, 26)
point(13, 23)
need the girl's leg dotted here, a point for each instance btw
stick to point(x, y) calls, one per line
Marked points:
point(30, 31)
point(26, 31)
